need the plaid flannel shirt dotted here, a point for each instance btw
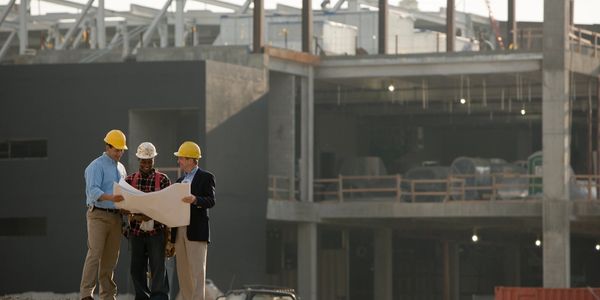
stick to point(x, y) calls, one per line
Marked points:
point(146, 185)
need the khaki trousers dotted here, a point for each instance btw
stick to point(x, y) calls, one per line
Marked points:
point(191, 266)
point(104, 242)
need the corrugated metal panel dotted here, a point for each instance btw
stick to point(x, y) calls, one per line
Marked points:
point(520, 293)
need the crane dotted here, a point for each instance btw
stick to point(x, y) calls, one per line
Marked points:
point(495, 26)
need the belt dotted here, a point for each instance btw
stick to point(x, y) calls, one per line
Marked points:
point(110, 210)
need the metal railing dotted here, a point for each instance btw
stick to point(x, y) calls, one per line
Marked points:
point(582, 38)
point(492, 187)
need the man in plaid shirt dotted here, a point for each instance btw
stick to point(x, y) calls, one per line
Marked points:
point(146, 236)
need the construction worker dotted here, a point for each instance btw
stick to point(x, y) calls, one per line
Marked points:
point(103, 218)
point(191, 241)
point(147, 237)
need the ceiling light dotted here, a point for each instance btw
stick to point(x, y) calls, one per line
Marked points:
point(391, 87)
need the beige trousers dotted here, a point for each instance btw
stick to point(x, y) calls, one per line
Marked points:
point(191, 266)
point(104, 242)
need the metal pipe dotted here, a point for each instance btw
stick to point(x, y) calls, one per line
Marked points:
point(179, 40)
point(23, 32)
point(382, 27)
point(7, 11)
point(100, 27)
point(307, 26)
point(258, 18)
point(7, 44)
point(450, 35)
point(75, 26)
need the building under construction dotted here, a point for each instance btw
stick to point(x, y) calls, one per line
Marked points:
point(364, 150)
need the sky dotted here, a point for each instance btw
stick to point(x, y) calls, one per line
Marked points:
point(586, 11)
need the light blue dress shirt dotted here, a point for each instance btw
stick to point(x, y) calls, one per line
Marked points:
point(100, 175)
point(190, 176)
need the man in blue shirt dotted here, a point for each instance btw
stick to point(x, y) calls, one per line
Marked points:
point(103, 219)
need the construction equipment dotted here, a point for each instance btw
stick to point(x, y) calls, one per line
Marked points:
point(146, 150)
point(189, 149)
point(495, 26)
point(116, 138)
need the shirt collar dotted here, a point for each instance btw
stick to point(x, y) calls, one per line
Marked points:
point(152, 171)
point(192, 172)
point(108, 158)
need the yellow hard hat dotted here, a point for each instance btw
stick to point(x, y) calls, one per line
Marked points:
point(189, 149)
point(116, 138)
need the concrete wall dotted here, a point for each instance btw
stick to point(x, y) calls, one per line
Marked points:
point(236, 152)
point(73, 106)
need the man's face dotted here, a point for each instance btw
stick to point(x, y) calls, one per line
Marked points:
point(185, 164)
point(114, 153)
point(146, 165)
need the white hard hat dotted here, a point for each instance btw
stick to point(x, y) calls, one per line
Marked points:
point(146, 151)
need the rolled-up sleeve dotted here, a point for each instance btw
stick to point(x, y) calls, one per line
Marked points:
point(93, 183)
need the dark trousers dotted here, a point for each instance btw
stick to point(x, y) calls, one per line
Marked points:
point(149, 250)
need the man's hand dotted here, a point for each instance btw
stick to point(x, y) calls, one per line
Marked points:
point(117, 198)
point(189, 199)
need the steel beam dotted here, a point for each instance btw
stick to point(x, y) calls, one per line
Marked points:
point(307, 26)
point(221, 4)
point(424, 65)
point(258, 29)
point(7, 44)
point(100, 26)
point(179, 24)
point(244, 8)
point(511, 25)
point(382, 27)
point(6, 11)
point(75, 26)
point(450, 26)
point(23, 32)
point(150, 31)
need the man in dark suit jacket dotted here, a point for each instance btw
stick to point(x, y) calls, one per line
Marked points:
point(191, 241)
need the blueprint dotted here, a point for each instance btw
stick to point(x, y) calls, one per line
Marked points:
point(164, 206)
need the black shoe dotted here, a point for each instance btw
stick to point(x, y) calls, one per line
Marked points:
point(87, 298)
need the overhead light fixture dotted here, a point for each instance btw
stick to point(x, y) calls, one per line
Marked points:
point(474, 237)
point(538, 242)
point(391, 88)
point(463, 100)
point(523, 112)
point(597, 247)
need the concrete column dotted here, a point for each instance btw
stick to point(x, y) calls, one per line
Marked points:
point(23, 30)
point(101, 29)
point(451, 270)
point(281, 106)
point(307, 26)
point(383, 285)
point(307, 137)
point(450, 26)
point(125, 35)
point(163, 33)
point(179, 5)
point(511, 25)
point(556, 141)
point(258, 28)
point(382, 26)
point(307, 261)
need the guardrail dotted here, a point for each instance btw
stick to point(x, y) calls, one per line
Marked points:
point(585, 38)
point(473, 187)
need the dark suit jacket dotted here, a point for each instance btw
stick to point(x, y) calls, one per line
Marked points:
point(203, 187)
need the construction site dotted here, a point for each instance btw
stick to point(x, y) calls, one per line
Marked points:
point(362, 149)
